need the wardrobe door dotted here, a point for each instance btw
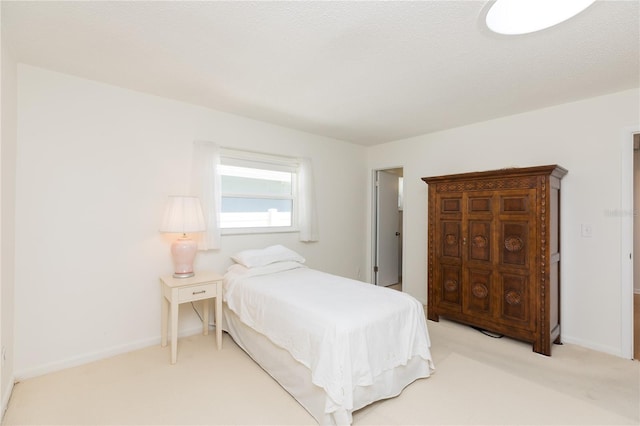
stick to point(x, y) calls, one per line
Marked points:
point(516, 257)
point(478, 261)
point(448, 240)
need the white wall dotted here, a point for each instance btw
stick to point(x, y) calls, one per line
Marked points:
point(94, 166)
point(583, 137)
point(8, 96)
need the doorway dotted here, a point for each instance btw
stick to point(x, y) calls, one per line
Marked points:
point(387, 227)
point(629, 225)
point(636, 246)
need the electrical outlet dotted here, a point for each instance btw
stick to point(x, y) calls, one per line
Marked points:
point(4, 355)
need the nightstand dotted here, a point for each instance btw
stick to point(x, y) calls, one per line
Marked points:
point(202, 286)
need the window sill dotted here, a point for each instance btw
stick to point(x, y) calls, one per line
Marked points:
point(245, 231)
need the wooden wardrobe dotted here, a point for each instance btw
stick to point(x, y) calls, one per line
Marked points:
point(494, 252)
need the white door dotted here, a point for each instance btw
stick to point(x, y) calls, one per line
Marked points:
point(387, 232)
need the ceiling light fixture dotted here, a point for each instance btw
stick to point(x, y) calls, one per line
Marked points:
point(513, 17)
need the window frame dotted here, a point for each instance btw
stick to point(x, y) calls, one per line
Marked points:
point(261, 161)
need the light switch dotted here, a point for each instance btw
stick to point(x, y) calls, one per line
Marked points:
point(586, 231)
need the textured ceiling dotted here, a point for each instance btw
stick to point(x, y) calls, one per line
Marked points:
point(366, 72)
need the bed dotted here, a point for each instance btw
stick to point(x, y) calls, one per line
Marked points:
point(335, 344)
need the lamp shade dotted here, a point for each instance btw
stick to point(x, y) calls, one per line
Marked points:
point(183, 214)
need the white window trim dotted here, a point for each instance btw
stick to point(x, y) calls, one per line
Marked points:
point(272, 162)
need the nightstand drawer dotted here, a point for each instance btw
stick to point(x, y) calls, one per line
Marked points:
point(196, 293)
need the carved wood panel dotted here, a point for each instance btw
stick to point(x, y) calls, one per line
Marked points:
point(511, 204)
point(450, 286)
point(479, 292)
point(451, 240)
point(514, 241)
point(515, 297)
point(480, 204)
point(451, 205)
point(479, 242)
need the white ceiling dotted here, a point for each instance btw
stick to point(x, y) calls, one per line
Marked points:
point(363, 71)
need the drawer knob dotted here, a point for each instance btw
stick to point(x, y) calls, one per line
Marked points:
point(199, 292)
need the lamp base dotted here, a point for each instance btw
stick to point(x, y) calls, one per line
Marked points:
point(185, 275)
point(183, 251)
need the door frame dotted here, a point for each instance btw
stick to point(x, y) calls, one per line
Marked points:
point(374, 227)
point(626, 243)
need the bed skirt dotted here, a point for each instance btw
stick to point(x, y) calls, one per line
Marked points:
point(295, 378)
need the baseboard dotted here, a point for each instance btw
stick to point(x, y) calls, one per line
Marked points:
point(6, 396)
point(95, 356)
point(589, 345)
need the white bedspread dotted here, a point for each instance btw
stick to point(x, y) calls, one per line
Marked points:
point(346, 332)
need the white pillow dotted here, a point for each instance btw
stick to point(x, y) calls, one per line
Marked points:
point(261, 257)
point(237, 268)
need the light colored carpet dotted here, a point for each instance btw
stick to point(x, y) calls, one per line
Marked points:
point(490, 397)
point(478, 381)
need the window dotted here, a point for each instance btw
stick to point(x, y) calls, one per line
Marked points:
point(259, 192)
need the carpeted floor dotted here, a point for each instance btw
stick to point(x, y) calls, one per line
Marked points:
point(479, 380)
point(491, 397)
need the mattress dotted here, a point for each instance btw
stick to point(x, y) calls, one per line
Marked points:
point(335, 344)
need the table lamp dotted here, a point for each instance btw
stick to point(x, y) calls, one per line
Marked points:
point(183, 215)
